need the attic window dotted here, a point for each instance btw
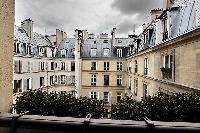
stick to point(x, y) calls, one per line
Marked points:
point(119, 52)
point(93, 52)
point(106, 52)
point(63, 52)
point(119, 41)
point(105, 41)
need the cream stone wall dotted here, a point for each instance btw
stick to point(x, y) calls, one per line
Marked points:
point(185, 67)
point(113, 89)
point(6, 53)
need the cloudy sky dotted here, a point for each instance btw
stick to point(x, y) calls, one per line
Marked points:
point(97, 16)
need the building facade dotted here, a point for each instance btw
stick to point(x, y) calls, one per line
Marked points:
point(163, 58)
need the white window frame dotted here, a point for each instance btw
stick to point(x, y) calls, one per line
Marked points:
point(146, 66)
point(135, 86)
point(63, 66)
point(119, 52)
point(93, 52)
point(106, 98)
point(63, 53)
point(170, 57)
point(106, 52)
point(119, 80)
point(94, 95)
point(93, 79)
point(119, 94)
point(106, 66)
point(63, 79)
point(119, 66)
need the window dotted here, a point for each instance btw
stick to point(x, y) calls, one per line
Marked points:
point(167, 66)
point(145, 93)
point(105, 41)
point(106, 52)
point(93, 66)
point(93, 52)
point(119, 80)
point(106, 97)
point(129, 83)
point(136, 66)
point(41, 81)
point(63, 53)
point(17, 86)
point(119, 66)
point(106, 66)
point(51, 80)
point(52, 65)
point(94, 95)
point(119, 52)
point(167, 61)
point(73, 80)
point(146, 64)
point(135, 86)
point(119, 96)
point(63, 79)
point(106, 80)
point(42, 66)
point(18, 66)
point(28, 83)
point(62, 65)
point(72, 66)
point(93, 80)
point(29, 66)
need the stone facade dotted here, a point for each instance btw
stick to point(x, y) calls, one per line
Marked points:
point(6, 54)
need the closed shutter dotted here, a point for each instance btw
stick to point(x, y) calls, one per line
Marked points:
point(98, 96)
point(110, 97)
point(25, 85)
point(30, 83)
point(59, 79)
point(16, 65)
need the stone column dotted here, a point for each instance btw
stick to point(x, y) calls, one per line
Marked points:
point(6, 54)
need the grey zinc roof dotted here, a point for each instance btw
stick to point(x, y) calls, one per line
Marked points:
point(185, 18)
point(67, 44)
point(20, 35)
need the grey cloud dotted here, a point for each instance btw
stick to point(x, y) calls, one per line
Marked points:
point(136, 6)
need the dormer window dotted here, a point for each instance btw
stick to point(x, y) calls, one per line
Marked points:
point(63, 53)
point(119, 52)
point(106, 52)
point(93, 52)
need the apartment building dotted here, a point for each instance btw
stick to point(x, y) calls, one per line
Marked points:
point(42, 62)
point(165, 57)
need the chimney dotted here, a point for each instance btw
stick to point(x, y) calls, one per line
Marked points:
point(27, 25)
point(167, 3)
point(155, 13)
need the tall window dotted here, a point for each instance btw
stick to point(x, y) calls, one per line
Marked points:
point(28, 82)
point(145, 90)
point(119, 52)
point(41, 81)
point(106, 97)
point(135, 86)
point(42, 66)
point(63, 79)
point(93, 52)
point(93, 79)
point(52, 65)
point(119, 96)
point(167, 61)
point(94, 95)
point(93, 66)
point(129, 83)
point(17, 86)
point(62, 65)
point(106, 52)
point(51, 80)
point(136, 66)
point(18, 66)
point(119, 80)
point(72, 66)
point(119, 66)
point(106, 80)
point(106, 66)
point(29, 66)
point(146, 66)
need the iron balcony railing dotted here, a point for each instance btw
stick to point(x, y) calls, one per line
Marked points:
point(50, 124)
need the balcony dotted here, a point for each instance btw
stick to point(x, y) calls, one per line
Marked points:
point(166, 73)
point(51, 124)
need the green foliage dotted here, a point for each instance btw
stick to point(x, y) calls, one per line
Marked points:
point(42, 103)
point(161, 107)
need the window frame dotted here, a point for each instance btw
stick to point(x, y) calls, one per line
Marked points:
point(93, 79)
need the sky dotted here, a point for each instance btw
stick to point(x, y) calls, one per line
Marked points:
point(97, 16)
